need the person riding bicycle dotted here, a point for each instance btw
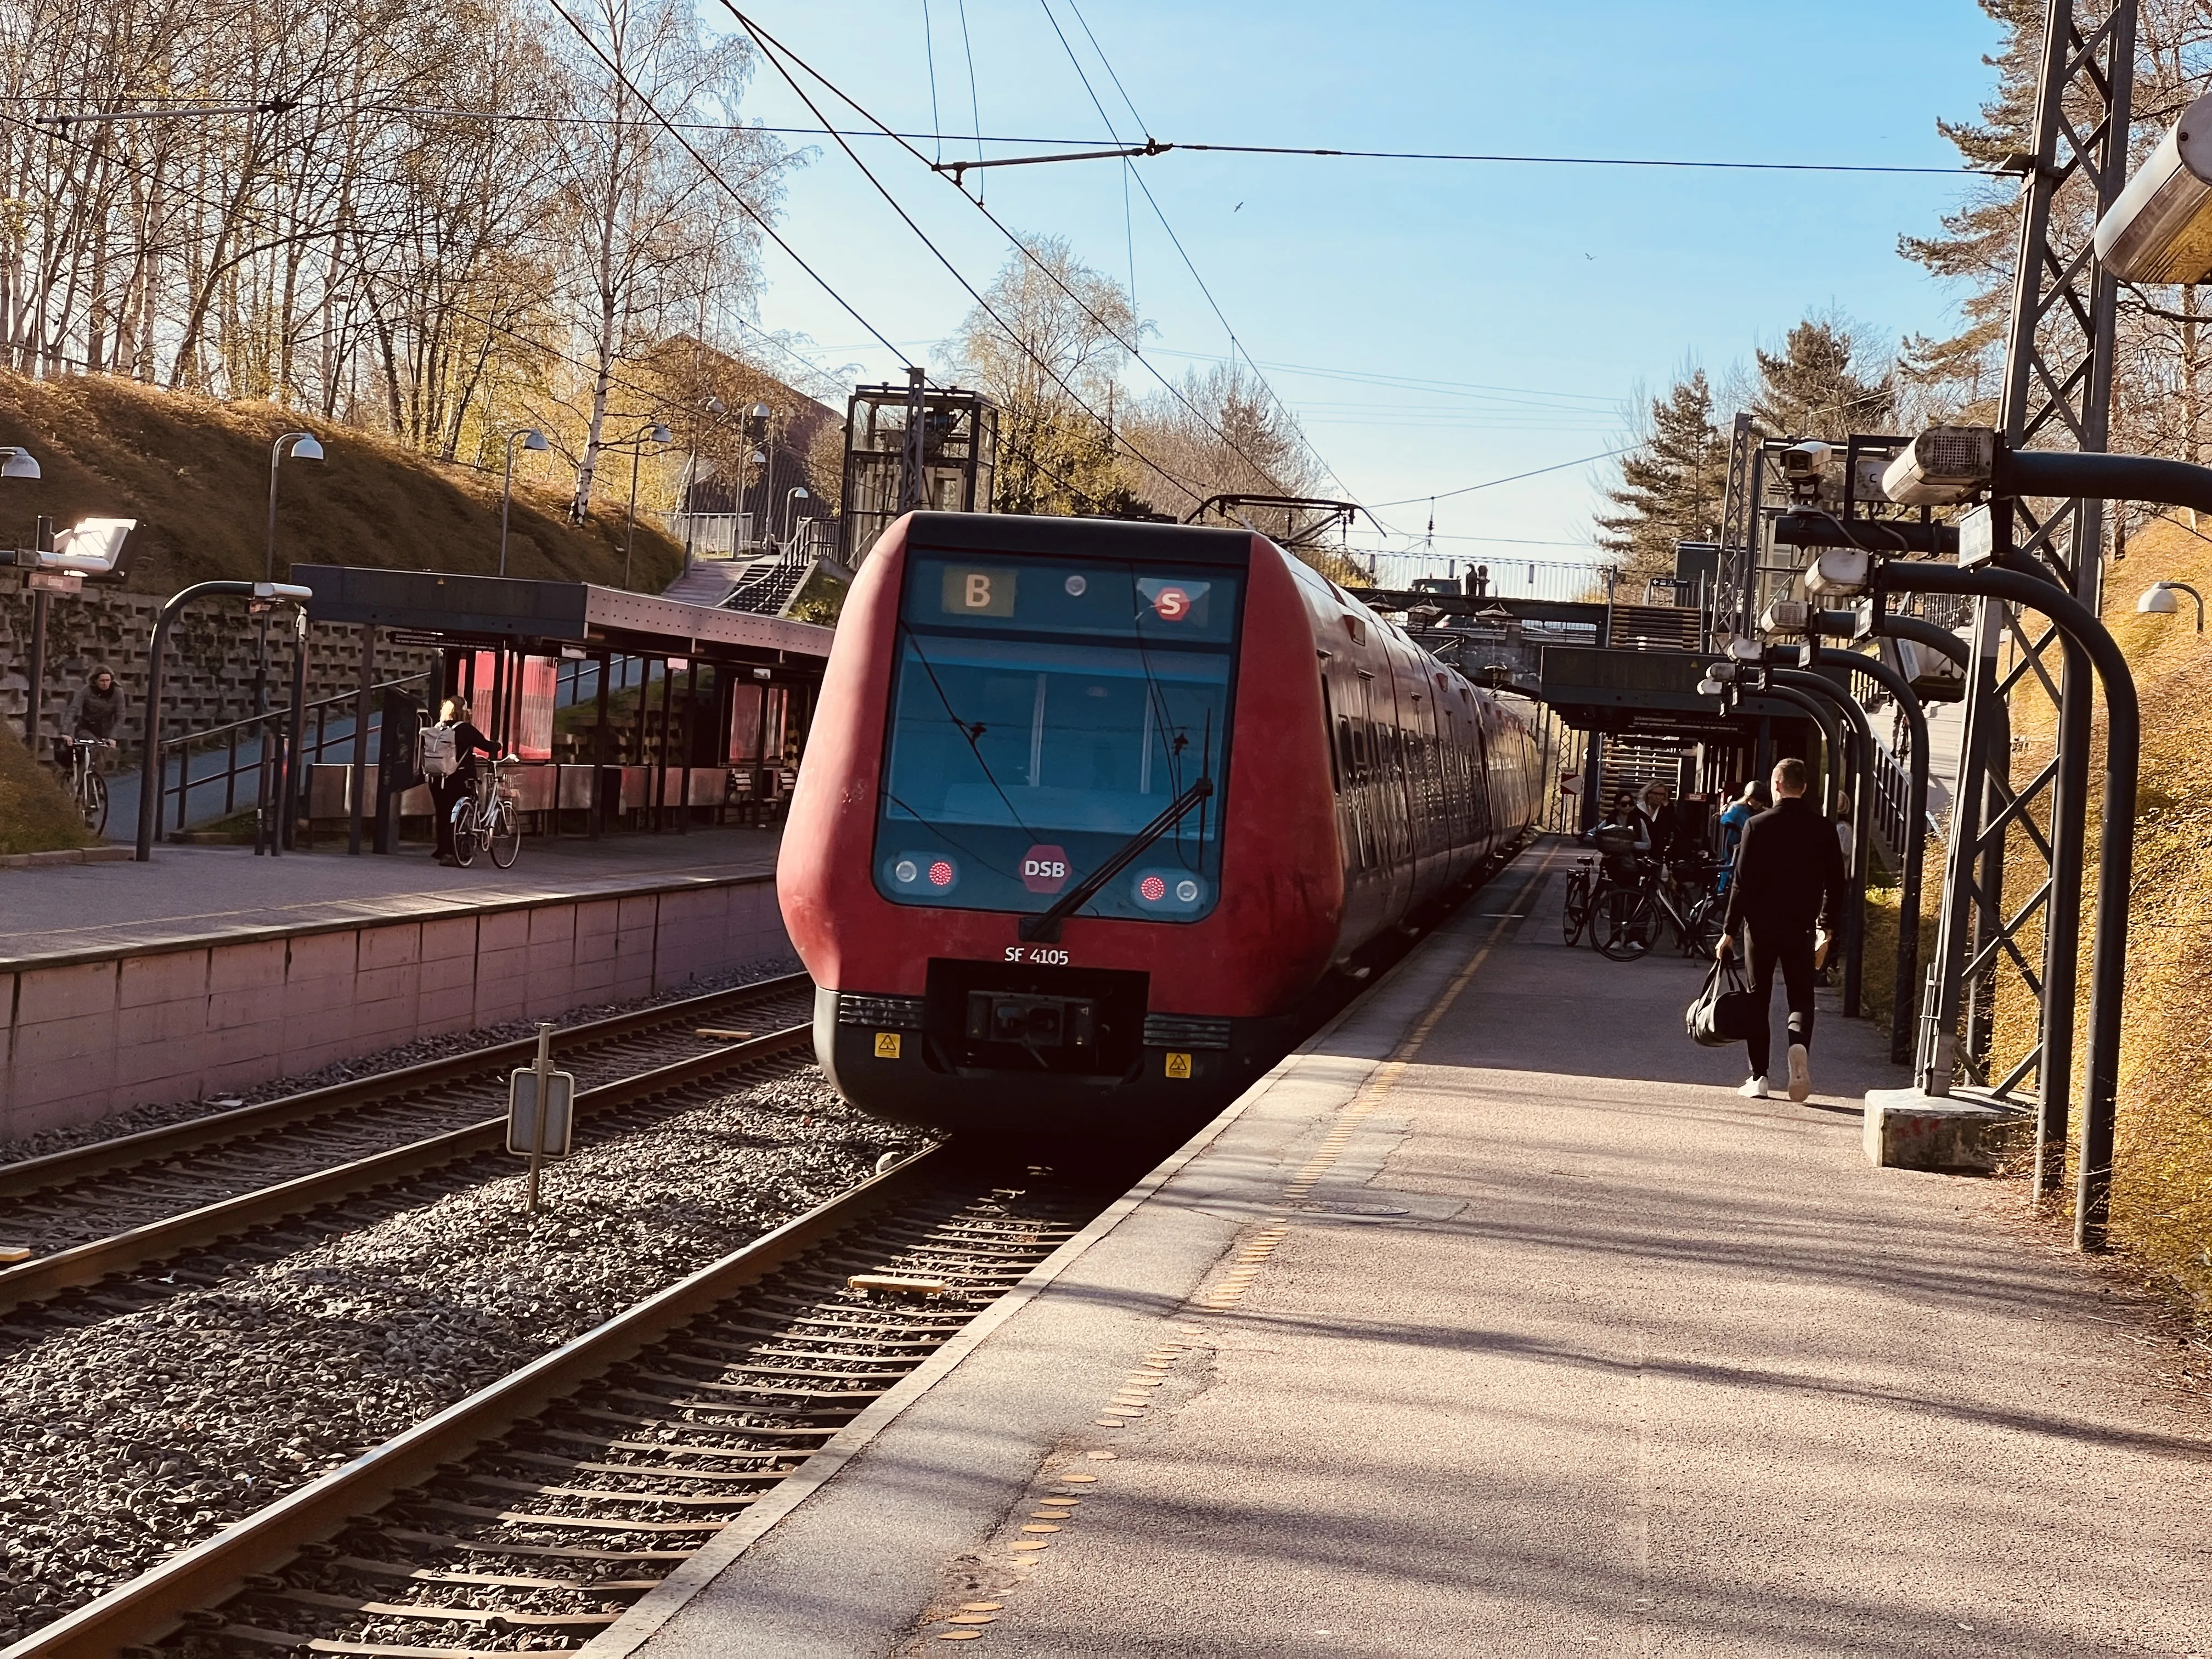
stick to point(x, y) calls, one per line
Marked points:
point(94, 712)
point(449, 790)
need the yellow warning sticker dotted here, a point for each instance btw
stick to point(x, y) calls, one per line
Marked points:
point(887, 1045)
point(1178, 1065)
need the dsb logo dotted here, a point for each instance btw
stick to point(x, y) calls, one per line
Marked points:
point(1044, 869)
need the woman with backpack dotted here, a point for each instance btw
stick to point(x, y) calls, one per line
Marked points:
point(445, 755)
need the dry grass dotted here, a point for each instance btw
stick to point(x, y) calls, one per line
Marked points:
point(36, 814)
point(195, 473)
point(2161, 1215)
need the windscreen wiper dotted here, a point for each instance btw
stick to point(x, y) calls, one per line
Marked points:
point(1045, 925)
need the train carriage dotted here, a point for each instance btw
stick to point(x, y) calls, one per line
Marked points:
point(1089, 806)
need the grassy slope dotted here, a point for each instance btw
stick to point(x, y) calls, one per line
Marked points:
point(195, 473)
point(36, 814)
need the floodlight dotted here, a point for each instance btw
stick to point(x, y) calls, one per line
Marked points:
point(2160, 229)
point(282, 590)
point(1723, 671)
point(1839, 571)
point(1787, 617)
point(1710, 687)
point(1744, 650)
point(1942, 466)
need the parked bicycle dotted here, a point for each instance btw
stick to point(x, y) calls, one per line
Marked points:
point(88, 787)
point(1626, 919)
point(1574, 914)
point(486, 817)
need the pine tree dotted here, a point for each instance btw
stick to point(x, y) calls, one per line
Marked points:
point(1813, 387)
point(1671, 485)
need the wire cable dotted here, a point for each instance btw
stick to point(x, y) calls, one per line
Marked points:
point(775, 54)
point(714, 172)
point(1493, 483)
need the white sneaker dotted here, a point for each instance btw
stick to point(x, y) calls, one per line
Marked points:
point(1801, 1071)
point(1754, 1089)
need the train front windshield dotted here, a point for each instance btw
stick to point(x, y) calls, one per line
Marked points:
point(1043, 713)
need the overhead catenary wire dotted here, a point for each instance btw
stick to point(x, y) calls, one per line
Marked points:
point(775, 52)
point(1175, 240)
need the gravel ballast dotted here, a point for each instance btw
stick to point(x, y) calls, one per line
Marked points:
point(149, 1432)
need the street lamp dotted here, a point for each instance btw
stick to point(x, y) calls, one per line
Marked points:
point(301, 446)
point(17, 463)
point(636, 443)
point(531, 439)
point(796, 493)
point(2158, 600)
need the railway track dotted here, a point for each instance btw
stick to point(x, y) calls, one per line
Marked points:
point(534, 1512)
point(157, 1196)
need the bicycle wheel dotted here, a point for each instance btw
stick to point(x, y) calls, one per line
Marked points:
point(1575, 912)
point(504, 834)
point(93, 799)
point(465, 834)
point(1621, 924)
point(1705, 927)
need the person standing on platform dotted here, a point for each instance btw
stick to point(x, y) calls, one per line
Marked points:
point(1789, 882)
point(1745, 807)
point(452, 787)
point(1657, 813)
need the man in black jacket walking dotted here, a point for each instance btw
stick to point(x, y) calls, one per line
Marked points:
point(1789, 881)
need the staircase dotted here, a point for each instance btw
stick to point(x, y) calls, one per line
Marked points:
point(769, 585)
point(709, 581)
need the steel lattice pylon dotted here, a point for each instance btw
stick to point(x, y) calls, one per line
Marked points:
point(2013, 848)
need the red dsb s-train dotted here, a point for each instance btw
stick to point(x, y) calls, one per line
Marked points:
point(1088, 807)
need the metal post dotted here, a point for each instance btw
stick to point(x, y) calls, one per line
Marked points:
point(1913, 854)
point(599, 748)
point(2115, 860)
point(629, 531)
point(683, 772)
point(545, 1069)
point(357, 781)
point(36, 668)
point(295, 775)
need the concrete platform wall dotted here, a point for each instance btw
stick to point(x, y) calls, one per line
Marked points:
point(94, 1035)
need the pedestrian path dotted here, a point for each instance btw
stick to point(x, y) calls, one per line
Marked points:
point(1496, 1323)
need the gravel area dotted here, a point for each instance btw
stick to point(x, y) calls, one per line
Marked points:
point(149, 1432)
point(389, 1060)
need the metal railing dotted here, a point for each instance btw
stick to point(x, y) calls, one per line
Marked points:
point(242, 772)
point(1892, 781)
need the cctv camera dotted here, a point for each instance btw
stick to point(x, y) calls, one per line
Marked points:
point(1805, 460)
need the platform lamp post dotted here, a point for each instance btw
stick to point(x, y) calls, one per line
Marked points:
point(531, 439)
point(636, 444)
point(798, 493)
point(301, 446)
point(22, 464)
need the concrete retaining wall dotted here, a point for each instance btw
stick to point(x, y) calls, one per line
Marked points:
point(92, 1034)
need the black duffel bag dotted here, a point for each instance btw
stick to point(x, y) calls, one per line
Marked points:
point(1722, 1012)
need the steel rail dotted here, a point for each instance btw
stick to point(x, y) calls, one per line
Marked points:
point(44, 1277)
point(195, 1134)
point(154, 1605)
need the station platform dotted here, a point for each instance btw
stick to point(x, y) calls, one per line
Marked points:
point(191, 893)
point(208, 970)
point(1494, 1321)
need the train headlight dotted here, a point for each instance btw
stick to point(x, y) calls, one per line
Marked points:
point(1168, 892)
point(923, 873)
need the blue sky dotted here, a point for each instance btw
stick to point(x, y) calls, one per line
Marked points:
point(1436, 325)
